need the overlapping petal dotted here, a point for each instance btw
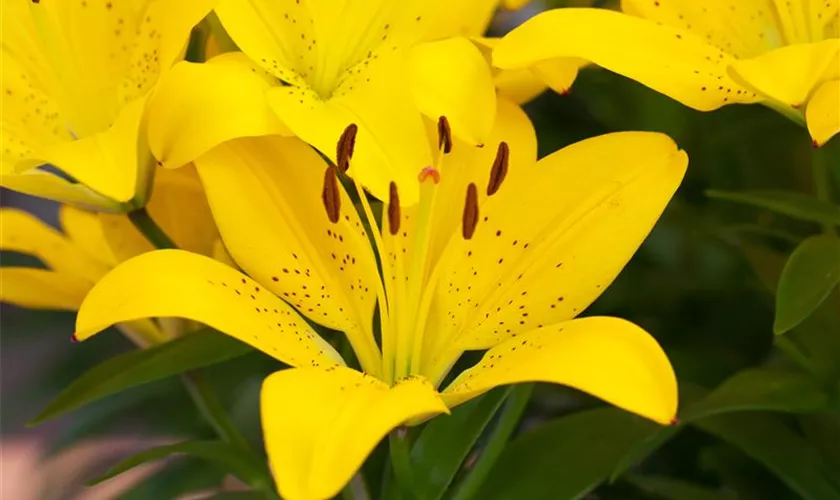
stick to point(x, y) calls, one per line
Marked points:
point(823, 112)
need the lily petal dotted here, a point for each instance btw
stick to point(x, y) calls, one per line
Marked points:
point(47, 185)
point(42, 289)
point(199, 106)
point(176, 283)
point(609, 358)
point(551, 240)
point(25, 233)
point(672, 61)
point(266, 196)
point(451, 78)
point(85, 230)
point(316, 444)
point(823, 112)
point(391, 143)
point(789, 74)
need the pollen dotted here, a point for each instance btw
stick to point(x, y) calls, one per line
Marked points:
point(346, 146)
point(470, 218)
point(393, 209)
point(499, 169)
point(331, 195)
point(444, 135)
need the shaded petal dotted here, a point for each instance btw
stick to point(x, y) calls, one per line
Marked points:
point(391, 143)
point(320, 425)
point(451, 78)
point(790, 74)
point(42, 289)
point(669, 60)
point(518, 85)
point(265, 194)
point(551, 240)
point(609, 358)
point(46, 185)
point(25, 233)
point(84, 229)
point(823, 112)
point(175, 283)
point(199, 106)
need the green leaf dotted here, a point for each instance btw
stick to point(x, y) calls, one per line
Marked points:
point(566, 458)
point(202, 348)
point(238, 495)
point(761, 389)
point(230, 458)
point(674, 489)
point(443, 445)
point(767, 440)
point(789, 203)
point(810, 274)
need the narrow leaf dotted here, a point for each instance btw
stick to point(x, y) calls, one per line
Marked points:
point(202, 348)
point(443, 445)
point(788, 203)
point(674, 489)
point(231, 459)
point(810, 274)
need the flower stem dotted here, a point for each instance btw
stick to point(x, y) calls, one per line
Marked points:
point(514, 407)
point(150, 229)
point(400, 450)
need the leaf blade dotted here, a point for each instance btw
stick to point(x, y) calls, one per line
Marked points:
point(788, 203)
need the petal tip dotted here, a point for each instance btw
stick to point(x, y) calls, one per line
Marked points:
point(674, 421)
point(74, 339)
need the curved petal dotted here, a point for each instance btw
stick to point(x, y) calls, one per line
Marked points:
point(320, 425)
point(391, 143)
point(451, 78)
point(823, 112)
point(266, 196)
point(42, 289)
point(551, 240)
point(518, 85)
point(199, 106)
point(789, 74)
point(609, 358)
point(25, 233)
point(670, 60)
point(462, 18)
point(84, 229)
point(175, 283)
point(46, 185)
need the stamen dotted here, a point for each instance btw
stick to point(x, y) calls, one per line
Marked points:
point(331, 194)
point(444, 135)
point(393, 209)
point(470, 218)
point(499, 169)
point(345, 147)
point(429, 172)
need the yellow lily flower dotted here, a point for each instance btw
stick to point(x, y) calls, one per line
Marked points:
point(91, 244)
point(75, 77)
point(310, 68)
point(500, 254)
point(704, 54)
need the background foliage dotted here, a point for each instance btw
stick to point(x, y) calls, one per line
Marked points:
point(760, 413)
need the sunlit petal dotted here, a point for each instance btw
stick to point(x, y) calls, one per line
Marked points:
point(823, 112)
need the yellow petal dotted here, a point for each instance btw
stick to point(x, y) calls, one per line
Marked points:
point(518, 85)
point(84, 229)
point(790, 74)
point(551, 240)
point(669, 60)
point(175, 283)
point(462, 18)
point(42, 289)
point(320, 425)
point(451, 78)
point(823, 112)
point(108, 162)
point(391, 142)
point(198, 106)
point(266, 196)
point(609, 358)
point(46, 185)
point(25, 233)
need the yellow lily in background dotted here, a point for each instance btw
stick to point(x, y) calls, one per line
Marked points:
point(91, 244)
point(75, 78)
point(310, 68)
point(500, 254)
point(704, 54)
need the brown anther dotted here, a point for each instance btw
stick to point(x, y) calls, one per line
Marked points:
point(331, 194)
point(444, 134)
point(499, 169)
point(345, 147)
point(429, 172)
point(393, 209)
point(470, 218)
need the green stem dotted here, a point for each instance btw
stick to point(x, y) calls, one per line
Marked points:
point(212, 410)
point(794, 353)
point(400, 450)
point(149, 228)
point(514, 408)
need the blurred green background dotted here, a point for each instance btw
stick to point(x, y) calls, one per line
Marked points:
point(702, 284)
